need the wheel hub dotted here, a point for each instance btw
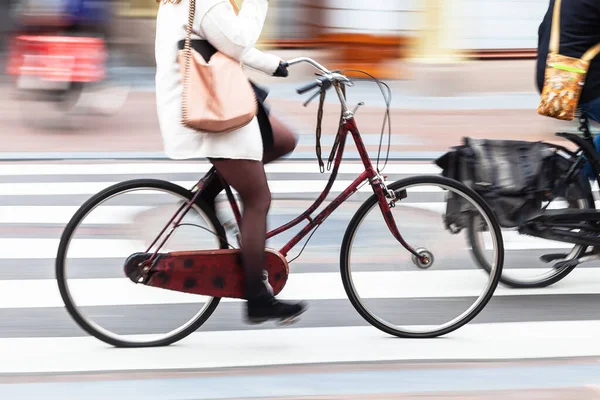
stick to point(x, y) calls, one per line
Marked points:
point(425, 259)
point(134, 267)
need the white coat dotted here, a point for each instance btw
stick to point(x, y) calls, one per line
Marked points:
point(234, 35)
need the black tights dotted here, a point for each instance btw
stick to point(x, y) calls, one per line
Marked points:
point(256, 199)
point(248, 178)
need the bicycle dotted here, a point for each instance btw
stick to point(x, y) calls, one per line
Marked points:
point(576, 225)
point(178, 271)
point(59, 75)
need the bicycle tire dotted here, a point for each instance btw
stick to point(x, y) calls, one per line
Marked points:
point(551, 279)
point(373, 201)
point(87, 207)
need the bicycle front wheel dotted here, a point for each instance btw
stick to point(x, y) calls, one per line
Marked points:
point(112, 225)
point(395, 293)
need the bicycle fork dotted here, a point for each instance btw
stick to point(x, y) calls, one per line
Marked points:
point(387, 201)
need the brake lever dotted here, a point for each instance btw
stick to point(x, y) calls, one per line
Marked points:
point(313, 97)
point(325, 87)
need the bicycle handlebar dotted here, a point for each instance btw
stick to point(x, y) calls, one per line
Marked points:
point(309, 86)
point(324, 82)
point(310, 61)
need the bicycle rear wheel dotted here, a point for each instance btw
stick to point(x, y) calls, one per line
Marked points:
point(524, 266)
point(115, 223)
point(382, 279)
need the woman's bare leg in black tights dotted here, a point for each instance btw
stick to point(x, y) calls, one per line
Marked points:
point(284, 142)
point(248, 178)
point(251, 184)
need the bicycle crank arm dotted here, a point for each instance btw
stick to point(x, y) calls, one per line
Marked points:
point(573, 263)
point(548, 258)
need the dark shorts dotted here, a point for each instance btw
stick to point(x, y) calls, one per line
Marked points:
point(266, 131)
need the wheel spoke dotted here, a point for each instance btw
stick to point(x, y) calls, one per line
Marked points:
point(113, 225)
point(524, 265)
point(417, 297)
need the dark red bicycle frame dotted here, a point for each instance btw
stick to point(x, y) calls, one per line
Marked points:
point(369, 174)
point(349, 126)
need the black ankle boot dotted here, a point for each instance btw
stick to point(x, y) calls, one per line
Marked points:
point(265, 308)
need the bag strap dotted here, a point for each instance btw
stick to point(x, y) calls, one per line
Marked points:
point(591, 53)
point(555, 36)
point(555, 33)
point(190, 26)
point(187, 50)
point(188, 31)
point(235, 5)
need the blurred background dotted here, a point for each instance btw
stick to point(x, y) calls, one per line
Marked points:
point(78, 113)
point(464, 62)
point(379, 34)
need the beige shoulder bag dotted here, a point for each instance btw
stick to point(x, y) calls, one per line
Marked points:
point(217, 96)
point(564, 77)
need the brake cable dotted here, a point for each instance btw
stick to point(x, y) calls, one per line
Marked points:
point(319, 128)
point(386, 121)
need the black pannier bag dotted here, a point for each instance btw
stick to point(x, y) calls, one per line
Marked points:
point(512, 176)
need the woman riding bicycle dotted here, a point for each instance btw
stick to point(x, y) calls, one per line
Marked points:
point(239, 156)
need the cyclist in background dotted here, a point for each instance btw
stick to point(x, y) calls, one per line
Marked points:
point(579, 31)
point(59, 17)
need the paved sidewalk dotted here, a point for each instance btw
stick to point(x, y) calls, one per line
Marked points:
point(578, 393)
point(420, 126)
point(492, 104)
point(572, 379)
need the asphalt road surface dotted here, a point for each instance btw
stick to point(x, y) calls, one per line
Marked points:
point(37, 335)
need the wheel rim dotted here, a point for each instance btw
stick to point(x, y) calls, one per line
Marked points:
point(424, 329)
point(136, 338)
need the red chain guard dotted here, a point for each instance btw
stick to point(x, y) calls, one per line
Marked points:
point(214, 273)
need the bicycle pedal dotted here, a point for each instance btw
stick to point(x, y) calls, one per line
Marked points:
point(547, 258)
point(291, 320)
point(288, 321)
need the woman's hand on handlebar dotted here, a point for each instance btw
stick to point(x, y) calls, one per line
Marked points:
point(282, 70)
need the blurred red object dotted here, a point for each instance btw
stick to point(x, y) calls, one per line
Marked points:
point(58, 58)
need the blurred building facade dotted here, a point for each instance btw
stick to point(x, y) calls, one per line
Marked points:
point(373, 32)
point(5, 22)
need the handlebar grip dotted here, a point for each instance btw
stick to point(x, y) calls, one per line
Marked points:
point(309, 86)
